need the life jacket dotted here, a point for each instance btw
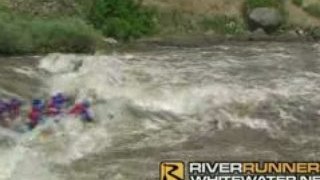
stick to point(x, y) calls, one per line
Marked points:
point(34, 116)
point(82, 110)
point(52, 109)
point(78, 109)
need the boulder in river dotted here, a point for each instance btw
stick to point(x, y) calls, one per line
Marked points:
point(266, 18)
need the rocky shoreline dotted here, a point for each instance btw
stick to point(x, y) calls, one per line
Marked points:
point(201, 40)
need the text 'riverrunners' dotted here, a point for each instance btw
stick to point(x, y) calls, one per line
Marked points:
point(240, 171)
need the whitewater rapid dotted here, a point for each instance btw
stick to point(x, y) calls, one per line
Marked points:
point(237, 101)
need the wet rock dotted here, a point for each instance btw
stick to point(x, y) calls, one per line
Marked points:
point(315, 33)
point(269, 19)
point(297, 34)
point(110, 41)
point(300, 32)
point(290, 35)
point(258, 34)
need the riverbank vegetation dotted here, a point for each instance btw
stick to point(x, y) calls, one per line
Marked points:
point(173, 22)
point(34, 26)
point(265, 3)
point(298, 3)
point(123, 19)
point(81, 26)
point(313, 9)
point(224, 25)
point(23, 34)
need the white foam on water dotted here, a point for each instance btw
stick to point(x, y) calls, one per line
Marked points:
point(23, 162)
point(27, 71)
point(105, 77)
point(33, 154)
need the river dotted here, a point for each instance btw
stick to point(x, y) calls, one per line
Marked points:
point(233, 101)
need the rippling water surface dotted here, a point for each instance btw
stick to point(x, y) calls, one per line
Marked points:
point(237, 101)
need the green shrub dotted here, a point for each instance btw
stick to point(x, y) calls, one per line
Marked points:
point(297, 2)
point(123, 19)
point(13, 36)
point(223, 24)
point(68, 35)
point(313, 9)
point(23, 34)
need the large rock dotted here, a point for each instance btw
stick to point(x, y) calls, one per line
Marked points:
point(266, 18)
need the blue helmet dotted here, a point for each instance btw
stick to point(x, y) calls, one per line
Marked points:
point(36, 102)
point(58, 98)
